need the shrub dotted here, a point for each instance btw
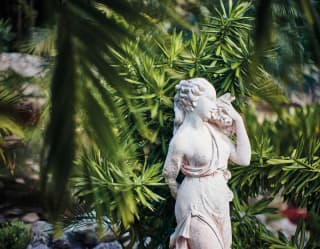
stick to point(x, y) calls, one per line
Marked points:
point(14, 235)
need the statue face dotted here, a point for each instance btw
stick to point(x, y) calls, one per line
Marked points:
point(206, 105)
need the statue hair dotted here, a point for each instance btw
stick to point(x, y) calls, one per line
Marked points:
point(186, 98)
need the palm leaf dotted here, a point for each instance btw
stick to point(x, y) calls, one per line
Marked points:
point(8, 97)
point(42, 42)
point(87, 40)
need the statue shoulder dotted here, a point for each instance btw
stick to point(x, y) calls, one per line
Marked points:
point(177, 143)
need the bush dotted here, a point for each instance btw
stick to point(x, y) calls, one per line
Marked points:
point(6, 36)
point(14, 235)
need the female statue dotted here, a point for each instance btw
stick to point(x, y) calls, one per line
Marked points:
point(200, 148)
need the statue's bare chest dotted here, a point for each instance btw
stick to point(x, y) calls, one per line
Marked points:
point(196, 147)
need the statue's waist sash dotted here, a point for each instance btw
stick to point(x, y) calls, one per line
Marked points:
point(190, 171)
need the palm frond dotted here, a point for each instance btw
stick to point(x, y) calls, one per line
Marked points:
point(296, 178)
point(10, 134)
point(8, 97)
point(6, 35)
point(119, 187)
point(42, 42)
point(78, 25)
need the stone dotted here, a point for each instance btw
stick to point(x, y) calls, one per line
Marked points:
point(109, 245)
point(23, 64)
point(30, 217)
point(39, 246)
point(200, 149)
point(61, 243)
point(13, 212)
point(85, 232)
point(41, 233)
point(283, 225)
point(20, 180)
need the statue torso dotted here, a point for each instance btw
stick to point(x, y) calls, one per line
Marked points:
point(202, 148)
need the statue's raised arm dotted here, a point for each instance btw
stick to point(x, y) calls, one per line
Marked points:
point(200, 149)
point(241, 151)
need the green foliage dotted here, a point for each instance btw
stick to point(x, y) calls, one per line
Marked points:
point(122, 86)
point(8, 97)
point(221, 52)
point(247, 230)
point(294, 28)
point(8, 127)
point(117, 188)
point(293, 133)
point(79, 24)
point(296, 177)
point(293, 123)
point(42, 42)
point(298, 241)
point(6, 35)
point(14, 235)
point(289, 41)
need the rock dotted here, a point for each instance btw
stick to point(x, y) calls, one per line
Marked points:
point(77, 245)
point(11, 141)
point(34, 177)
point(280, 225)
point(22, 64)
point(31, 90)
point(30, 217)
point(13, 212)
point(40, 246)
point(33, 165)
point(62, 243)
point(109, 245)
point(69, 240)
point(41, 232)
point(20, 181)
point(88, 237)
point(283, 225)
point(85, 237)
point(76, 237)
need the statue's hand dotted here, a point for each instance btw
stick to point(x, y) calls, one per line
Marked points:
point(173, 185)
point(174, 192)
point(230, 111)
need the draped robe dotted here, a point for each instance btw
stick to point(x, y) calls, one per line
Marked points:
point(205, 195)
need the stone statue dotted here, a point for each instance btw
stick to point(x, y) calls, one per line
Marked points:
point(200, 148)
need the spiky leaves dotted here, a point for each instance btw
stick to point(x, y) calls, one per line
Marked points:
point(10, 131)
point(117, 188)
point(223, 52)
point(86, 85)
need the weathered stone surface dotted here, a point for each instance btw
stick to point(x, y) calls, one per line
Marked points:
point(110, 245)
point(30, 217)
point(13, 212)
point(283, 225)
point(39, 246)
point(23, 64)
point(62, 243)
point(83, 237)
point(200, 149)
point(41, 232)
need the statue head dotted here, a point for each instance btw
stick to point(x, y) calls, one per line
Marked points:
point(189, 91)
point(198, 96)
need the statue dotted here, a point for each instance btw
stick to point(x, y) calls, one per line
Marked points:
point(200, 148)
